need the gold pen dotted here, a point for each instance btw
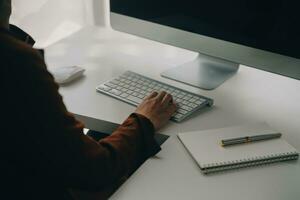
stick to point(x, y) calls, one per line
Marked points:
point(248, 139)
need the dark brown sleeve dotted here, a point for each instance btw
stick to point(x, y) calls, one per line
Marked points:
point(73, 158)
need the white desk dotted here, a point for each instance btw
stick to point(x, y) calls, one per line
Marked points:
point(251, 95)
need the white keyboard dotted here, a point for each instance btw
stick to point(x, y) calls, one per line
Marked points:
point(132, 88)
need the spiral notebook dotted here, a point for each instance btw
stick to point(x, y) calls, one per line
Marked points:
point(206, 150)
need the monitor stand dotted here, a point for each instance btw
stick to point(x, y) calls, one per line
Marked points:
point(205, 72)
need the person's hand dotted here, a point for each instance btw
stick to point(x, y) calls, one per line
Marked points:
point(158, 108)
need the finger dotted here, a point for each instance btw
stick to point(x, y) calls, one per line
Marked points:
point(161, 95)
point(152, 95)
point(172, 108)
point(167, 99)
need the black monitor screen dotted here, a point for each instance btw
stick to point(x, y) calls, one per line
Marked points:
point(268, 25)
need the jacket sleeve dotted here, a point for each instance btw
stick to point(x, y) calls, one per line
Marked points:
point(71, 157)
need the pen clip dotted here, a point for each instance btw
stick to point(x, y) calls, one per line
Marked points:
point(248, 139)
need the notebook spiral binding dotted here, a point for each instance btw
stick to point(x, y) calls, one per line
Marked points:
point(254, 161)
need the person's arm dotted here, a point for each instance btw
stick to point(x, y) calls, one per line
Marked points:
point(76, 159)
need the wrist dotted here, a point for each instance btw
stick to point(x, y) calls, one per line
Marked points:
point(151, 123)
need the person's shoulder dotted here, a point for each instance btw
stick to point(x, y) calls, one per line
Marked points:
point(13, 50)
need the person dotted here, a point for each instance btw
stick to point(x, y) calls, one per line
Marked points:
point(44, 151)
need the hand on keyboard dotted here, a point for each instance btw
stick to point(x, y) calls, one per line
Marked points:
point(158, 108)
point(133, 88)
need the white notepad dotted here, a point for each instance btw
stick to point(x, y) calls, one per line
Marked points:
point(205, 147)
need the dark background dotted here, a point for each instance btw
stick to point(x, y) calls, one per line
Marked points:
point(268, 25)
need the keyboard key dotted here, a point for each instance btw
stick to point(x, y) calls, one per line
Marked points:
point(186, 102)
point(115, 92)
point(141, 96)
point(193, 100)
point(104, 87)
point(193, 105)
point(174, 94)
point(199, 102)
point(124, 90)
point(124, 95)
point(181, 111)
point(186, 108)
point(126, 86)
point(116, 82)
point(186, 98)
point(135, 94)
point(178, 100)
point(178, 116)
point(134, 99)
point(111, 85)
point(179, 105)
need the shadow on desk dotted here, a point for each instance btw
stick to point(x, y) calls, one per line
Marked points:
point(101, 195)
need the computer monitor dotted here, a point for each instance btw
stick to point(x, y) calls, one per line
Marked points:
point(257, 33)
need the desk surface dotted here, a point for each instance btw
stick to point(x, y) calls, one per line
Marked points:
point(251, 95)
